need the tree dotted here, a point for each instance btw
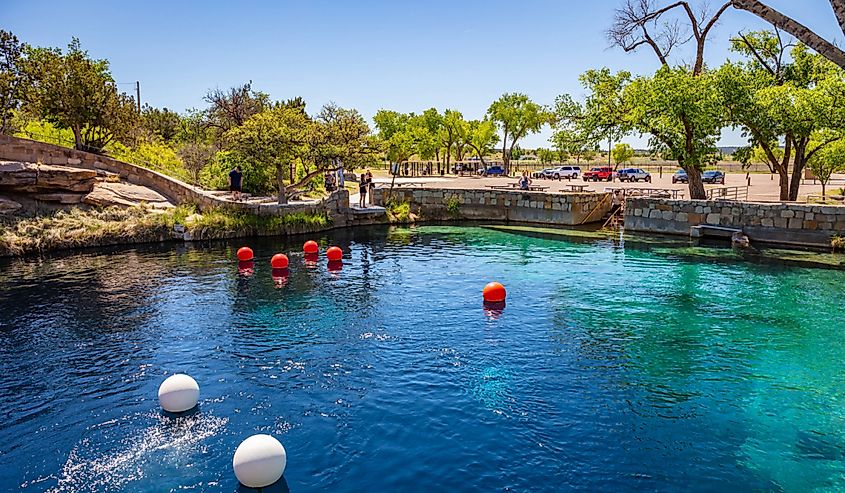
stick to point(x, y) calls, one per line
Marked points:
point(341, 139)
point(517, 116)
point(451, 131)
point(11, 78)
point(622, 153)
point(273, 139)
point(161, 122)
point(427, 135)
point(825, 48)
point(545, 156)
point(76, 92)
point(684, 123)
point(233, 107)
point(481, 137)
point(830, 159)
point(775, 100)
point(398, 134)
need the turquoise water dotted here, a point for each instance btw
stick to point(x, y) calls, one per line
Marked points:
point(616, 366)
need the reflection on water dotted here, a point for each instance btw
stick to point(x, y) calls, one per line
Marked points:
point(617, 365)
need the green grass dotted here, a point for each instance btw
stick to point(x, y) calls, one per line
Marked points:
point(113, 225)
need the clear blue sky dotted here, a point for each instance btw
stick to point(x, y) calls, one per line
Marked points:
point(402, 55)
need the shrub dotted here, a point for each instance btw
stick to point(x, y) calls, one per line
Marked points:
point(838, 243)
point(153, 154)
point(256, 181)
point(453, 207)
point(398, 211)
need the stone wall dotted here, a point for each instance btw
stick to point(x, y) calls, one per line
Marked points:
point(24, 150)
point(784, 223)
point(501, 205)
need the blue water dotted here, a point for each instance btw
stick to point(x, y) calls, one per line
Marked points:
point(614, 367)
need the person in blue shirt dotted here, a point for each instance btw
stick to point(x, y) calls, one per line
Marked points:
point(235, 180)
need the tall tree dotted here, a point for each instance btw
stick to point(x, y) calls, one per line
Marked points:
point(517, 116)
point(452, 131)
point(481, 137)
point(641, 23)
point(806, 35)
point(73, 91)
point(777, 100)
point(233, 107)
point(830, 159)
point(622, 153)
point(11, 78)
point(274, 139)
point(162, 122)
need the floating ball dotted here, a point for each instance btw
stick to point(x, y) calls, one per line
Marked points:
point(334, 254)
point(279, 261)
point(494, 293)
point(310, 246)
point(259, 461)
point(244, 254)
point(178, 393)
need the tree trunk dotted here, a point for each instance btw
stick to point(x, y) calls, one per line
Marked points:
point(77, 138)
point(803, 33)
point(783, 178)
point(823, 189)
point(696, 186)
point(797, 171)
point(505, 158)
point(280, 181)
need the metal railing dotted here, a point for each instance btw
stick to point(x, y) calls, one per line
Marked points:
point(728, 193)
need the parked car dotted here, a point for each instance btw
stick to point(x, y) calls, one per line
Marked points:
point(604, 173)
point(544, 173)
point(494, 171)
point(568, 172)
point(633, 174)
point(713, 176)
point(680, 176)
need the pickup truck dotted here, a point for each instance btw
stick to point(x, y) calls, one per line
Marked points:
point(604, 173)
point(633, 174)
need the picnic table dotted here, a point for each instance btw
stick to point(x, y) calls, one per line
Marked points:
point(515, 186)
point(576, 188)
point(648, 192)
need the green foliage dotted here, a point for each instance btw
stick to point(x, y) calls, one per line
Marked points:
point(163, 123)
point(73, 91)
point(398, 211)
point(44, 131)
point(153, 154)
point(481, 137)
point(622, 153)
point(546, 156)
point(397, 134)
point(453, 207)
point(224, 223)
point(517, 116)
point(828, 160)
point(256, 180)
point(11, 79)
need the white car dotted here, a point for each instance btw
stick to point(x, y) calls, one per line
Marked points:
point(568, 172)
point(633, 174)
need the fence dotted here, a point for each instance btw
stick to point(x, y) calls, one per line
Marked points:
point(728, 193)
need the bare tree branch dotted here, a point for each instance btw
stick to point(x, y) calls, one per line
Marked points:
point(795, 28)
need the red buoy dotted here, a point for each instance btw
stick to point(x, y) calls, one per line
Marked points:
point(334, 254)
point(279, 261)
point(245, 254)
point(310, 247)
point(494, 292)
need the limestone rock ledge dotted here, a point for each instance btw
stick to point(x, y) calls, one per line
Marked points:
point(41, 178)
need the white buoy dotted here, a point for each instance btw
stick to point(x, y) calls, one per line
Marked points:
point(178, 393)
point(259, 461)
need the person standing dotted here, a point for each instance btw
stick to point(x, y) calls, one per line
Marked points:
point(235, 182)
point(370, 185)
point(362, 191)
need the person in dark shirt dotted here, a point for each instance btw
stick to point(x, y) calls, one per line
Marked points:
point(235, 180)
point(363, 185)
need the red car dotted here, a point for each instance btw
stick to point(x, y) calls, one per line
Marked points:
point(599, 174)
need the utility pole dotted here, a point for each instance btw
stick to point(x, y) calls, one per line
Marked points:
point(138, 94)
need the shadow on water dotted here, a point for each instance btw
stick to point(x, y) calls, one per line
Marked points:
point(689, 249)
point(280, 486)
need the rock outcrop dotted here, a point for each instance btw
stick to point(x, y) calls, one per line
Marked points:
point(8, 206)
point(123, 194)
point(44, 179)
